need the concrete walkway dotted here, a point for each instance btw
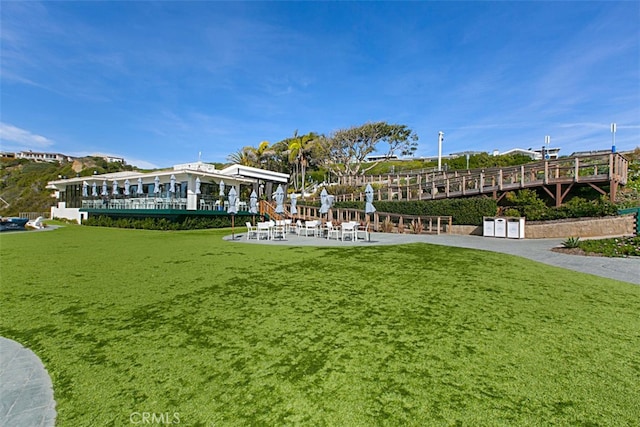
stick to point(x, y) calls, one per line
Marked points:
point(623, 269)
point(26, 392)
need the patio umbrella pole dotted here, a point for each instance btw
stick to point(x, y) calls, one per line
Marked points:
point(233, 237)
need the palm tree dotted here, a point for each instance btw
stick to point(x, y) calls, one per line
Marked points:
point(241, 157)
point(298, 154)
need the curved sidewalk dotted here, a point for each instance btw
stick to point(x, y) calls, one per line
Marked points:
point(26, 392)
point(623, 269)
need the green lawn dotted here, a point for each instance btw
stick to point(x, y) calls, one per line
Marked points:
point(221, 333)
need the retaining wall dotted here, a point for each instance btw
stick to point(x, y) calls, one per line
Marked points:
point(623, 225)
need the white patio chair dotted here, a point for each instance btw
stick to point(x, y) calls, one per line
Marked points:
point(349, 230)
point(252, 231)
point(283, 224)
point(363, 233)
point(299, 227)
point(263, 229)
point(310, 227)
point(332, 230)
point(278, 232)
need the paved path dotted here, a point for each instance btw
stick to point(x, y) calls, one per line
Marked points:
point(623, 269)
point(26, 392)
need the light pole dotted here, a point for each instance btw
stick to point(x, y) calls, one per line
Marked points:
point(440, 139)
point(545, 152)
point(613, 137)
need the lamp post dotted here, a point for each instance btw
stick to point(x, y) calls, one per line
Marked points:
point(440, 139)
point(545, 151)
point(613, 137)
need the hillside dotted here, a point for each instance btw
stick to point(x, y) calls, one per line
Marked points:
point(23, 182)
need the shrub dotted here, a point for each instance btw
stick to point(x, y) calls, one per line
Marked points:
point(186, 223)
point(511, 212)
point(416, 226)
point(571, 242)
point(387, 226)
point(613, 247)
point(468, 211)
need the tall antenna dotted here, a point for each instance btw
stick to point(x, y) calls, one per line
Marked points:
point(440, 139)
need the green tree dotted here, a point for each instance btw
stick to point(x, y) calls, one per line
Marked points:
point(344, 152)
point(299, 148)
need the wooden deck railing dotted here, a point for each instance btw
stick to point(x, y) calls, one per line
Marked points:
point(610, 169)
point(380, 221)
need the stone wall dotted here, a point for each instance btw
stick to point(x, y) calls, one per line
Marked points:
point(623, 225)
point(582, 227)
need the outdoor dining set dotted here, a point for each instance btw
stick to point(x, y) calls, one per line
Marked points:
point(278, 230)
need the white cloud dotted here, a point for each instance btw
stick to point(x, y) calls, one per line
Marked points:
point(14, 135)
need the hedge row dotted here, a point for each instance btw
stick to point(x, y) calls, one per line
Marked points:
point(462, 211)
point(187, 223)
point(574, 208)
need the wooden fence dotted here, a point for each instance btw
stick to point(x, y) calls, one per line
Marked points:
point(379, 221)
point(556, 177)
point(35, 215)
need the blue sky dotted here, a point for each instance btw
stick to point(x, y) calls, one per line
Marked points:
point(157, 83)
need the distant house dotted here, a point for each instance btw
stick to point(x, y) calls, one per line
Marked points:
point(378, 158)
point(7, 155)
point(109, 159)
point(42, 156)
point(549, 153)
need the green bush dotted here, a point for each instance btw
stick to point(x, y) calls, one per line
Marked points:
point(462, 211)
point(614, 247)
point(186, 223)
point(528, 204)
point(571, 242)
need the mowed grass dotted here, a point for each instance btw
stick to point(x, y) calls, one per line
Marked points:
point(223, 333)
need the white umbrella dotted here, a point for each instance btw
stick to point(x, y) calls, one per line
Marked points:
point(140, 189)
point(94, 189)
point(85, 189)
point(105, 191)
point(279, 196)
point(368, 206)
point(221, 194)
point(156, 187)
point(114, 191)
point(198, 185)
point(233, 208)
point(127, 184)
point(324, 207)
point(294, 200)
point(330, 199)
point(368, 197)
point(172, 184)
point(253, 203)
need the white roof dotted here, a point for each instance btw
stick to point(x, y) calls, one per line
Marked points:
point(232, 174)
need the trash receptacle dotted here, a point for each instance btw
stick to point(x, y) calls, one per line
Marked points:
point(488, 229)
point(500, 229)
point(515, 228)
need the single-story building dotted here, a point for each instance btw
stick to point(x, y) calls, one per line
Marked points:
point(185, 189)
